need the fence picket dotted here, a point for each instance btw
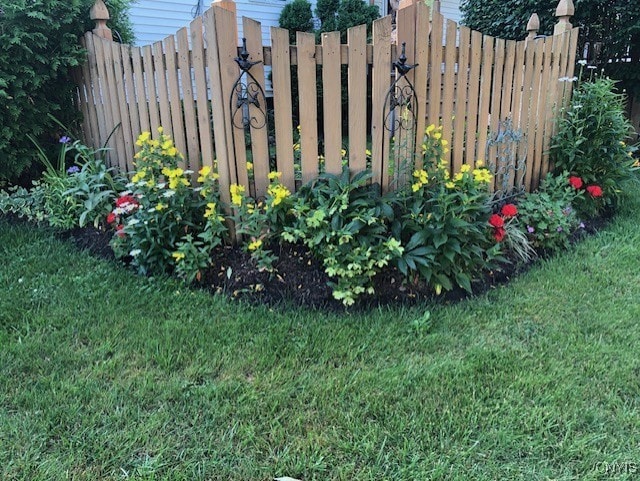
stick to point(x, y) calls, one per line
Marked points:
point(281, 73)
point(461, 98)
point(357, 40)
point(114, 103)
point(308, 114)
point(190, 124)
point(449, 86)
point(473, 95)
point(175, 104)
point(152, 90)
point(380, 84)
point(141, 94)
point(435, 78)
point(485, 98)
point(332, 104)
point(259, 136)
point(163, 92)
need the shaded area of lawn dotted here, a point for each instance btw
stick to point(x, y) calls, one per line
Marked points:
point(106, 375)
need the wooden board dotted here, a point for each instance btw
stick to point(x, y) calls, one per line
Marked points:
point(461, 99)
point(473, 95)
point(163, 92)
point(175, 104)
point(332, 104)
point(485, 98)
point(449, 85)
point(357, 40)
point(141, 94)
point(152, 91)
point(308, 105)
point(190, 122)
point(380, 85)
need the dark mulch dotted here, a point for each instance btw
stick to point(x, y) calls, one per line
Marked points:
point(299, 279)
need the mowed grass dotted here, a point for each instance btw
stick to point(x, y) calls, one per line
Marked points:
point(106, 376)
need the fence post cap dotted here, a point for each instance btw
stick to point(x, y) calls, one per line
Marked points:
point(533, 25)
point(99, 11)
point(565, 8)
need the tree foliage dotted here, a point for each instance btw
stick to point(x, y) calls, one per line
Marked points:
point(613, 24)
point(40, 46)
point(296, 17)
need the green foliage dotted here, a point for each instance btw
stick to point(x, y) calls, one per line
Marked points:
point(547, 216)
point(40, 47)
point(590, 142)
point(613, 24)
point(344, 222)
point(355, 12)
point(70, 197)
point(327, 11)
point(443, 227)
point(159, 222)
point(296, 16)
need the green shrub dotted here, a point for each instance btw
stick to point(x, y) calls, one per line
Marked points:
point(590, 142)
point(40, 46)
point(296, 16)
point(345, 223)
point(547, 216)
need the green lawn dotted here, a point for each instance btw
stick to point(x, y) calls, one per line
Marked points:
point(105, 375)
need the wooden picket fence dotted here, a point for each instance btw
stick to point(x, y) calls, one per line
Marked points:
point(465, 81)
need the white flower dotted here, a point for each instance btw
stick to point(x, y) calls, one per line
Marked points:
point(188, 172)
point(582, 62)
point(133, 221)
point(126, 192)
point(169, 193)
point(135, 252)
point(592, 67)
point(118, 211)
point(161, 185)
point(129, 185)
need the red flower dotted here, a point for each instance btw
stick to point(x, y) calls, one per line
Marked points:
point(496, 221)
point(509, 210)
point(111, 218)
point(594, 191)
point(499, 233)
point(126, 199)
point(119, 230)
point(576, 182)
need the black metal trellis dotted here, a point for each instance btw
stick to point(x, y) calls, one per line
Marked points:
point(399, 114)
point(247, 91)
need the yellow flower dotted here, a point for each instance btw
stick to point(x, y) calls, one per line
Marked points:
point(211, 210)
point(367, 152)
point(343, 152)
point(296, 146)
point(278, 192)
point(444, 142)
point(206, 170)
point(150, 183)
point(437, 135)
point(482, 175)
point(138, 176)
point(166, 144)
point(160, 129)
point(458, 177)
point(320, 159)
point(249, 165)
point(465, 168)
point(479, 163)
point(142, 138)
point(178, 256)
point(430, 129)
point(274, 175)
point(236, 194)
point(416, 187)
point(450, 185)
point(161, 206)
point(254, 245)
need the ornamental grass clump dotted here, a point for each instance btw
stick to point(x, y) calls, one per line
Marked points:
point(162, 223)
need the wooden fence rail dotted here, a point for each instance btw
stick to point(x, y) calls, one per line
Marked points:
point(471, 84)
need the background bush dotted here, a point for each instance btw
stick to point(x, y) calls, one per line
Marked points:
point(39, 42)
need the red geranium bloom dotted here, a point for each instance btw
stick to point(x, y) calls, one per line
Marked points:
point(509, 210)
point(126, 199)
point(594, 191)
point(111, 218)
point(499, 233)
point(576, 182)
point(119, 230)
point(496, 221)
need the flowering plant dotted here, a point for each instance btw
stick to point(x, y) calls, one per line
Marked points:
point(160, 222)
point(590, 204)
point(259, 221)
point(442, 220)
point(506, 229)
point(547, 217)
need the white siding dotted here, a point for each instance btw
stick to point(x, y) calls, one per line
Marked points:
point(451, 9)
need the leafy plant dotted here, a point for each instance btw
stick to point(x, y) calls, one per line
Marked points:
point(344, 222)
point(296, 16)
point(27, 203)
point(547, 216)
point(443, 221)
point(162, 219)
point(590, 142)
point(260, 221)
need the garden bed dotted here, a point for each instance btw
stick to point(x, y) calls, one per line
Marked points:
point(300, 280)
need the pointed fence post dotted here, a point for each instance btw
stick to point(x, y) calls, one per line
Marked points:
point(100, 14)
point(564, 12)
point(533, 26)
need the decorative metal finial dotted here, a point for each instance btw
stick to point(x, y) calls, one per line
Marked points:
point(401, 64)
point(243, 60)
